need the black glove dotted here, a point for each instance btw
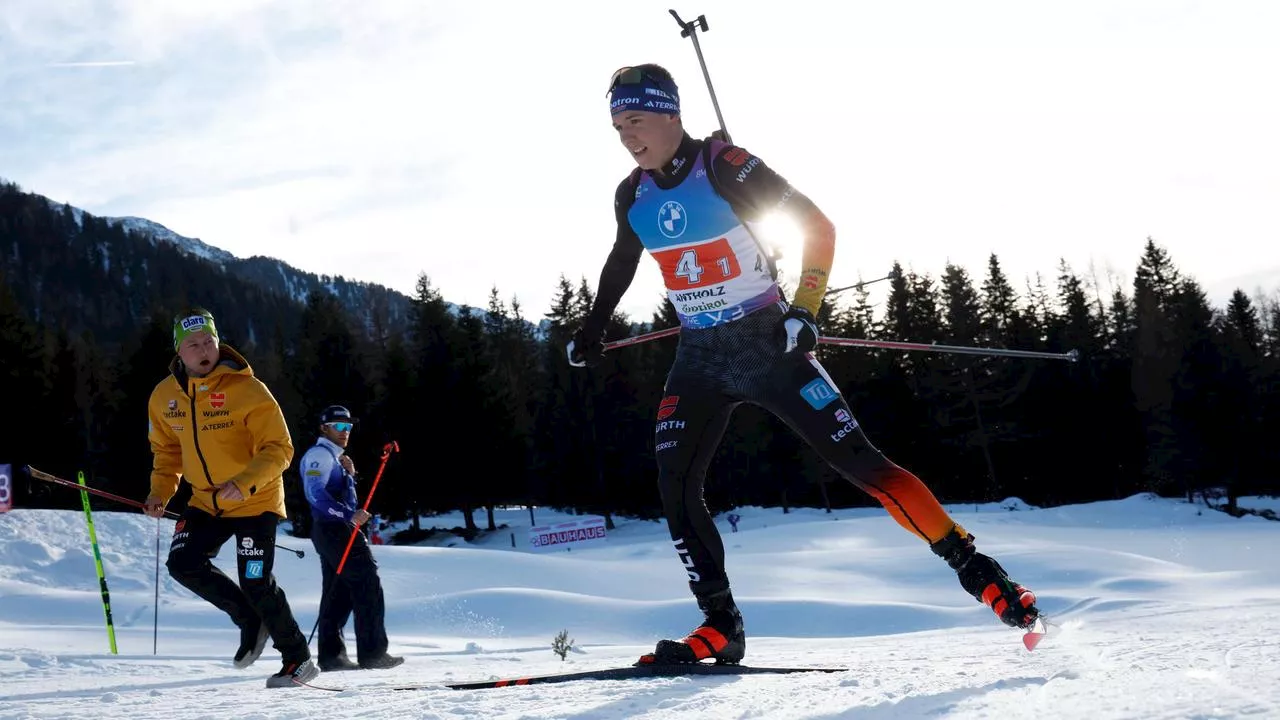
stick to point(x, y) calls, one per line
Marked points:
point(584, 351)
point(799, 330)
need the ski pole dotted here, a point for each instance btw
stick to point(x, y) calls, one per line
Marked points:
point(97, 561)
point(387, 449)
point(299, 553)
point(690, 30)
point(155, 618)
point(41, 475)
point(1071, 355)
point(833, 291)
point(646, 337)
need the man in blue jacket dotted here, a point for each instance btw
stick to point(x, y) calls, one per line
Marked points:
point(329, 480)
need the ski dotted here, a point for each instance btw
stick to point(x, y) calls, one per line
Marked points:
point(612, 673)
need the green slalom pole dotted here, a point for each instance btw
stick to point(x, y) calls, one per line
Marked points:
point(97, 559)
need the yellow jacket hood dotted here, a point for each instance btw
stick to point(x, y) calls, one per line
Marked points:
point(223, 427)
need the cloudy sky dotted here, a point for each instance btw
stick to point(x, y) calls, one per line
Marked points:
point(381, 139)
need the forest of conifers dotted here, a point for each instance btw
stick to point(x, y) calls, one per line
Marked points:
point(1170, 395)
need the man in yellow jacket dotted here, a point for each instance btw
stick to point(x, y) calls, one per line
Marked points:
point(215, 425)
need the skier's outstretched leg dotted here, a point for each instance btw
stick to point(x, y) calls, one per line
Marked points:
point(807, 400)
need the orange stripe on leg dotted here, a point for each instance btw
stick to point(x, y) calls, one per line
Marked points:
point(910, 502)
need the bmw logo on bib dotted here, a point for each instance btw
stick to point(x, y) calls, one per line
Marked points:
point(671, 219)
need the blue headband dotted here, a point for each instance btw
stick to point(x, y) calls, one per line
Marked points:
point(648, 95)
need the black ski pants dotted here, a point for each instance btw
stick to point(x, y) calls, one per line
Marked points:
point(717, 369)
point(357, 590)
point(197, 538)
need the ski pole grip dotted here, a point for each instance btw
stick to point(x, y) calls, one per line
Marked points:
point(684, 26)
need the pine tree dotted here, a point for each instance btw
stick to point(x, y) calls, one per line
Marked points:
point(432, 328)
point(967, 382)
point(897, 312)
point(529, 386)
point(394, 416)
point(328, 368)
point(509, 385)
point(1195, 387)
point(1076, 326)
point(1156, 355)
point(999, 306)
point(1038, 317)
point(559, 426)
point(1122, 329)
point(961, 306)
point(471, 361)
point(1238, 438)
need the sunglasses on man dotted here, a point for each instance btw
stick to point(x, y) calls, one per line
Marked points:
point(629, 75)
point(340, 426)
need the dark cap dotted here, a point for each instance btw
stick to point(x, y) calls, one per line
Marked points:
point(336, 413)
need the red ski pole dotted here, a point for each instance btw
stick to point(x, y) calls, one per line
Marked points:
point(389, 448)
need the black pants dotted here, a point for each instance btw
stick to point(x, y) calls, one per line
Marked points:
point(357, 590)
point(718, 368)
point(257, 598)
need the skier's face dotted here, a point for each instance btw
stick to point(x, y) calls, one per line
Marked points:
point(651, 138)
point(199, 353)
point(338, 433)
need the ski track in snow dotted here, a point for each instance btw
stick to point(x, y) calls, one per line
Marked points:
point(1163, 612)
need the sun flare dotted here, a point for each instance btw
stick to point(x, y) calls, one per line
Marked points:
point(783, 234)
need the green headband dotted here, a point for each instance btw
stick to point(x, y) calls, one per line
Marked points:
point(184, 327)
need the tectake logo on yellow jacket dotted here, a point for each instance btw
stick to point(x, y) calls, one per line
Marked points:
point(236, 433)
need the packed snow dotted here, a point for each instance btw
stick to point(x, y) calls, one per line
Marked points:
point(1165, 610)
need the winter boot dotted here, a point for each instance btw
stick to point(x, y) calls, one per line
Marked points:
point(294, 673)
point(381, 662)
point(984, 579)
point(253, 638)
point(720, 636)
point(337, 663)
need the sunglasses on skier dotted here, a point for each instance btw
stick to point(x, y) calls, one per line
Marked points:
point(340, 426)
point(628, 75)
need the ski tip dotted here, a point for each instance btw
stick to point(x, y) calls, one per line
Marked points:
point(1034, 634)
point(1031, 640)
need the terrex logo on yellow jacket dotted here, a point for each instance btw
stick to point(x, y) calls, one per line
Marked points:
point(223, 427)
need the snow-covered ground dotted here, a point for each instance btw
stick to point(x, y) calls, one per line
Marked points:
point(1169, 610)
